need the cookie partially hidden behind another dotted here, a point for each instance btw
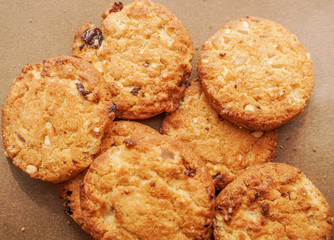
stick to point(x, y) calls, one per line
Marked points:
point(256, 73)
point(144, 54)
point(225, 148)
point(54, 118)
point(272, 201)
point(148, 188)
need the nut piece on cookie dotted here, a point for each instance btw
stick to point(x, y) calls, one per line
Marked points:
point(225, 148)
point(275, 201)
point(54, 118)
point(146, 188)
point(256, 73)
point(144, 54)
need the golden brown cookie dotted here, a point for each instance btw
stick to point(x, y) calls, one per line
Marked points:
point(70, 192)
point(225, 148)
point(54, 118)
point(144, 54)
point(272, 201)
point(114, 135)
point(149, 187)
point(256, 73)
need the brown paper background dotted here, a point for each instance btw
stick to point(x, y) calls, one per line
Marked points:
point(37, 29)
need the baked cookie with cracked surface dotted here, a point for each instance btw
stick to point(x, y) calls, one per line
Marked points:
point(256, 73)
point(114, 135)
point(150, 187)
point(144, 54)
point(272, 201)
point(225, 148)
point(54, 118)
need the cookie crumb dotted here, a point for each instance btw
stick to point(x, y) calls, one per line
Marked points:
point(30, 20)
point(23, 229)
point(65, 11)
point(14, 66)
point(294, 149)
point(210, 26)
point(314, 149)
point(68, 222)
point(196, 47)
point(281, 146)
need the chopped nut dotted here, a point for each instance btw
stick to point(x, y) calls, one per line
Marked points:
point(31, 169)
point(249, 108)
point(257, 134)
point(98, 66)
point(230, 210)
point(96, 129)
point(48, 125)
point(47, 140)
point(239, 60)
point(216, 43)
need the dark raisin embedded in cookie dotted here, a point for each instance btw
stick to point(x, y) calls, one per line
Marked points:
point(92, 37)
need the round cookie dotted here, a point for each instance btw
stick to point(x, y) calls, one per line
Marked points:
point(54, 118)
point(144, 54)
point(148, 188)
point(225, 148)
point(272, 201)
point(114, 135)
point(256, 73)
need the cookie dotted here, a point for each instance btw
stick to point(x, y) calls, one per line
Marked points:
point(54, 118)
point(225, 148)
point(272, 201)
point(256, 73)
point(150, 187)
point(144, 54)
point(70, 192)
point(114, 135)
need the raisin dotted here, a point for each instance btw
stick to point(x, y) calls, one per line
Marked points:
point(256, 196)
point(135, 91)
point(118, 6)
point(67, 208)
point(113, 108)
point(69, 193)
point(218, 176)
point(20, 137)
point(92, 37)
point(222, 54)
point(152, 184)
point(81, 89)
point(265, 209)
point(129, 142)
point(190, 172)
